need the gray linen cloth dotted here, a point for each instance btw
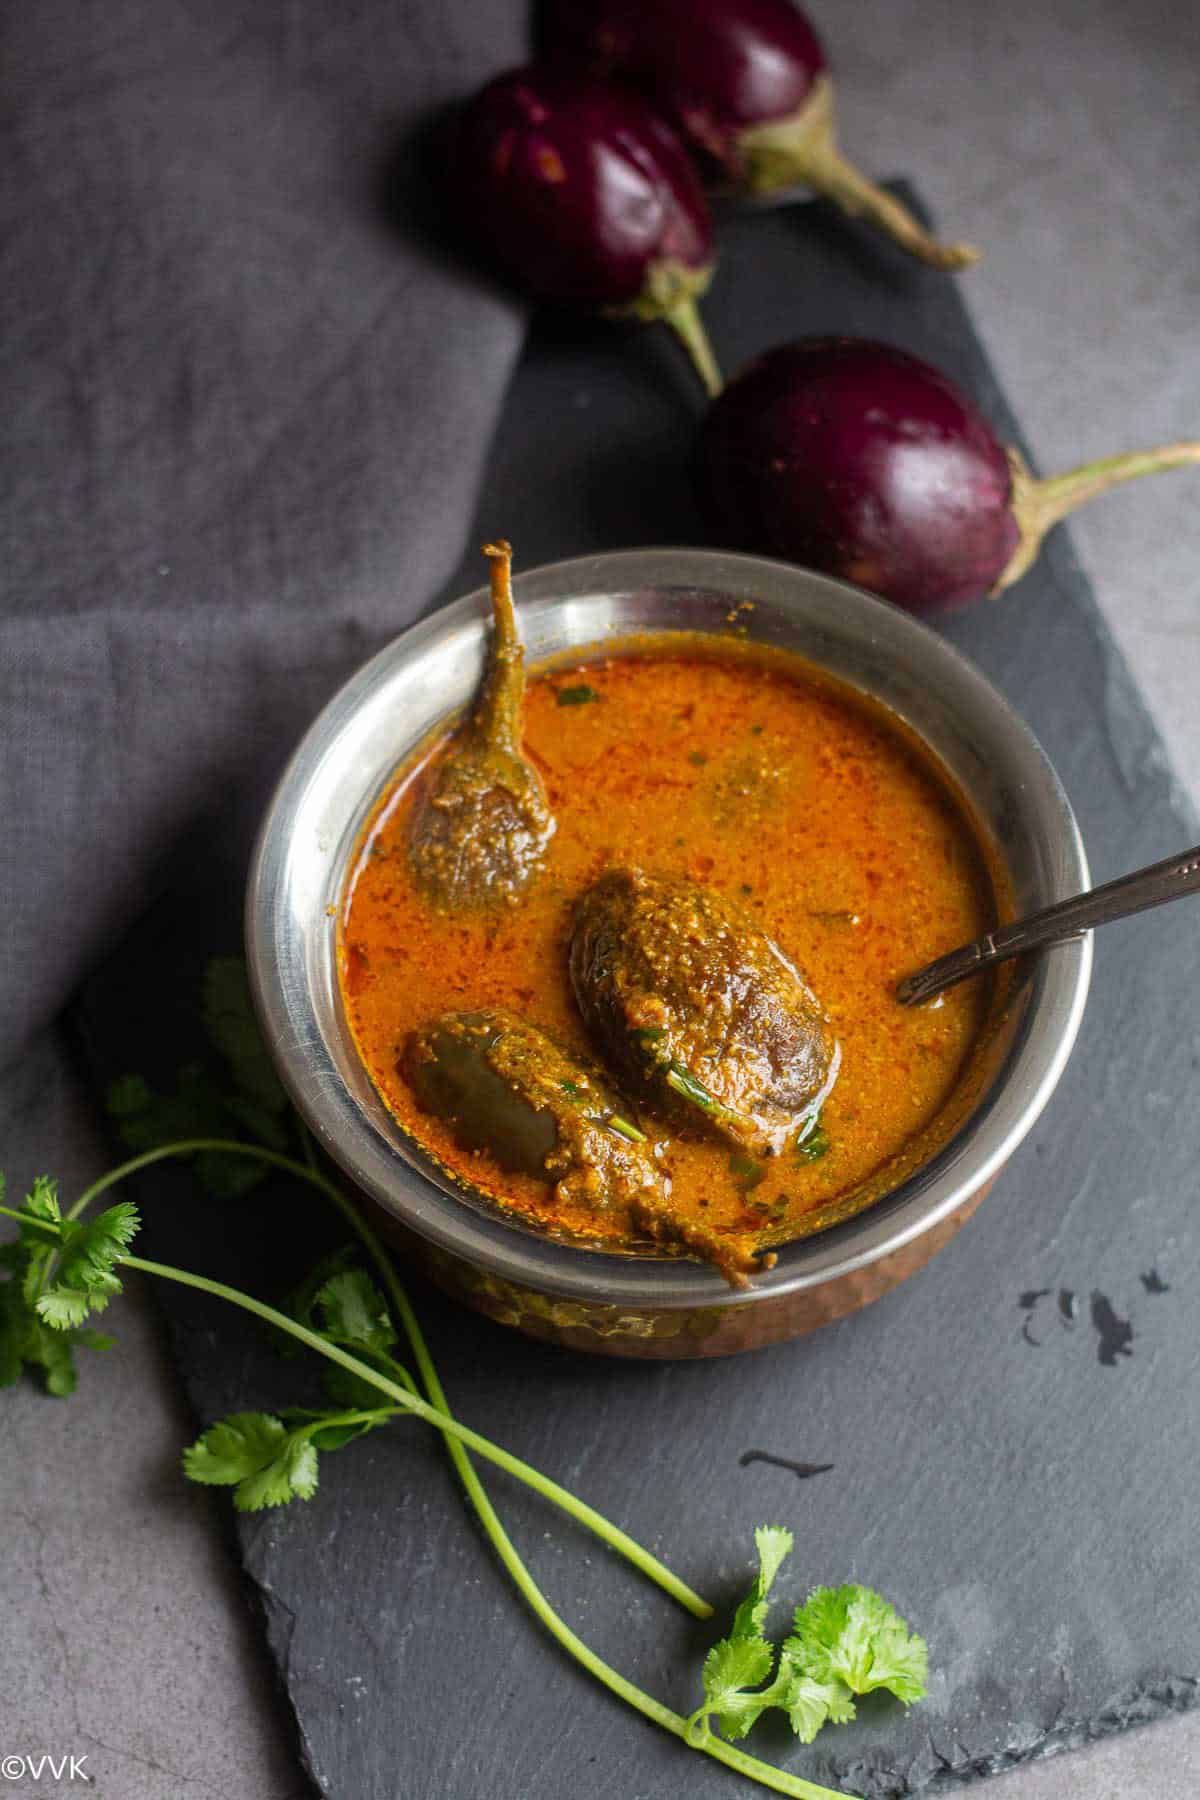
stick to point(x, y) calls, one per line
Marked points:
point(245, 405)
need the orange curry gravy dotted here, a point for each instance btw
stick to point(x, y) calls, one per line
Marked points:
point(751, 772)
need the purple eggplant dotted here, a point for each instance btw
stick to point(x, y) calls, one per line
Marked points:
point(861, 460)
point(747, 84)
point(583, 195)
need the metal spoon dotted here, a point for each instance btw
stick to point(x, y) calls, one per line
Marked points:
point(1154, 886)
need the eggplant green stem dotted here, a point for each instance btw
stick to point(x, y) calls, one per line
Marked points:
point(803, 147)
point(686, 323)
point(498, 714)
point(672, 293)
point(1038, 505)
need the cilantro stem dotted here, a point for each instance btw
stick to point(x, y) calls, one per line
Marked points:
point(542, 1484)
point(478, 1496)
point(183, 1147)
point(688, 1088)
point(570, 1503)
point(624, 1129)
point(766, 1775)
point(456, 1437)
point(376, 1415)
point(762, 1773)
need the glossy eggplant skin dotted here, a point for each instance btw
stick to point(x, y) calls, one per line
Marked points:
point(855, 458)
point(578, 189)
point(694, 1007)
point(716, 67)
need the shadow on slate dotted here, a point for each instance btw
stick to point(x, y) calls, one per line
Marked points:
point(1030, 1508)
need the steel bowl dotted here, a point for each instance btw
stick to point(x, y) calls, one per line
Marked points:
point(624, 1305)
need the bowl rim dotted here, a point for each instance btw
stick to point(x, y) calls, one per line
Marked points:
point(279, 976)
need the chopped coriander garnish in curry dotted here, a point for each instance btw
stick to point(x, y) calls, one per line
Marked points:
point(748, 1172)
point(813, 1141)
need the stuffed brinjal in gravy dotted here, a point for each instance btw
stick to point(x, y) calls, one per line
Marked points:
point(481, 830)
point(682, 1036)
point(505, 1087)
point(698, 1009)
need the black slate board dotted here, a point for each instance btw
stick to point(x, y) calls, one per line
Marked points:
point(1020, 1487)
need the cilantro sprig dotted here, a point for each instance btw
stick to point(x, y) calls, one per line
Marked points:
point(845, 1641)
point(267, 1459)
point(59, 1270)
point(27, 1338)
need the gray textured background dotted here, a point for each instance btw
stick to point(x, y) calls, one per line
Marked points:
point(1067, 146)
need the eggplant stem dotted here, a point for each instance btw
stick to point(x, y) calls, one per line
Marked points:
point(688, 326)
point(670, 292)
point(803, 148)
point(1038, 505)
point(498, 713)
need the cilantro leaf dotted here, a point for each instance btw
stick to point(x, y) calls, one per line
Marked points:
point(352, 1309)
point(232, 1027)
point(353, 1312)
point(248, 1099)
point(291, 1476)
point(812, 1143)
point(28, 1340)
point(256, 1455)
point(233, 1448)
point(774, 1545)
point(62, 1308)
point(745, 1658)
point(343, 1304)
point(685, 1084)
point(579, 695)
point(198, 1108)
point(735, 1663)
point(86, 1282)
point(846, 1641)
point(809, 1704)
point(730, 1668)
point(301, 1301)
point(91, 1250)
point(349, 1389)
point(269, 1460)
point(52, 1351)
point(38, 1246)
point(852, 1635)
point(747, 1171)
point(42, 1200)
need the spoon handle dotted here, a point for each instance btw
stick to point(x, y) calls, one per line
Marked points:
point(1154, 886)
